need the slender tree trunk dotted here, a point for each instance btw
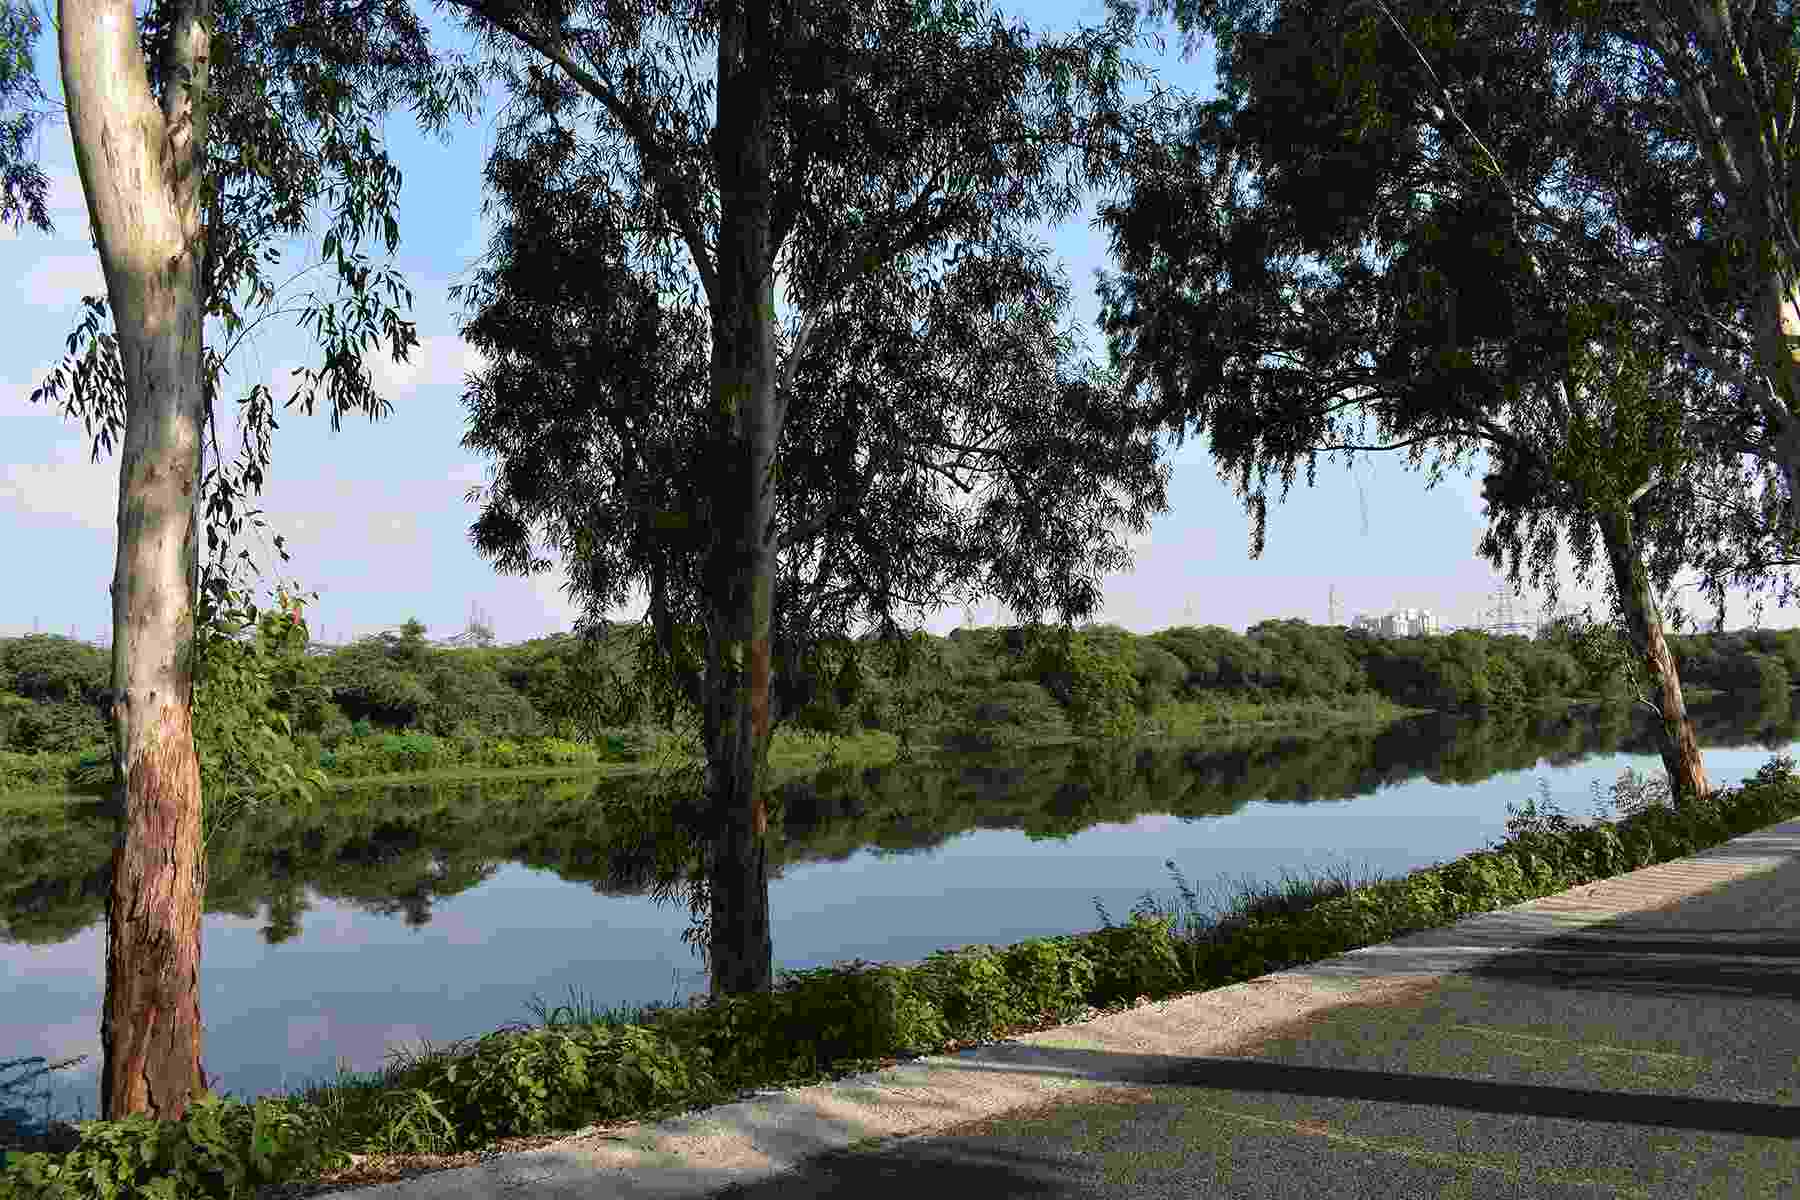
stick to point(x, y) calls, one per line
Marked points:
point(139, 170)
point(743, 569)
point(1777, 319)
point(1680, 751)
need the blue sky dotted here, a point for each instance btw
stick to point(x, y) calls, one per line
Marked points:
point(375, 519)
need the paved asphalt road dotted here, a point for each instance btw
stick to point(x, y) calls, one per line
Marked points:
point(1655, 1055)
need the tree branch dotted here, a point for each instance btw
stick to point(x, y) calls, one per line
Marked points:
point(784, 386)
point(965, 487)
point(815, 592)
point(673, 194)
point(1424, 437)
point(811, 528)
point(868, 261)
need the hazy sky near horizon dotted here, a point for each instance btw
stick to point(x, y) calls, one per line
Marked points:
point(375, 517)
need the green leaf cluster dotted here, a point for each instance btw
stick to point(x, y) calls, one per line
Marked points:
point(531, 1081)
point(1007, 713)
point(54, 693)
point(1093, 680)
point(23, 185)
point(219, 1148)
point(251, 672)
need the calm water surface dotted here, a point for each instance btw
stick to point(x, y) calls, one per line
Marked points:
point(391, 917)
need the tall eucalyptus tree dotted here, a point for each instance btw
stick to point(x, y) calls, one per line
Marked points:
point(1368, 276)
point(766, 485)
point(167, 113)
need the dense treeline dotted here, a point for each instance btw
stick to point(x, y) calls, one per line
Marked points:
point(53, 689)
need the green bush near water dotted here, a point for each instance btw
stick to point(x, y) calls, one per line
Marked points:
point(405, 753)
point(49, 772)
point(582, 1066)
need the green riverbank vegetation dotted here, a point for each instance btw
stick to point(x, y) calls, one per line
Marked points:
point(395, 705)
point(576, 1067)
point(408, 847)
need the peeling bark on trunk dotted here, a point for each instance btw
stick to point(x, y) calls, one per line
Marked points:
point(1680, 751)
point(742, 570)
point(139, 171)
point(150, 1022)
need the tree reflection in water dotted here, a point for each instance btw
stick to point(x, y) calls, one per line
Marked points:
point(396, 850)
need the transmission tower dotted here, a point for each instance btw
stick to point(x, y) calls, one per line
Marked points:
point(479, 631)
point(1552, 614)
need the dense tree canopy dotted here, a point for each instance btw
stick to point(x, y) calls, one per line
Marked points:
point(1682, 218)
point(979, 682)
point(1678, 155)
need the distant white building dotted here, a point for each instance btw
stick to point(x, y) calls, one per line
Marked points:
point(1402, 622)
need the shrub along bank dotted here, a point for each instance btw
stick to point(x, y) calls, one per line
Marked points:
point(357, 757)
point(579, 1067)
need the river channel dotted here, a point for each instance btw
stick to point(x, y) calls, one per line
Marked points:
point(388, 917)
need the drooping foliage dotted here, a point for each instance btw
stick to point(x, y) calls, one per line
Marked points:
point(23, 185)
point(1681, 221)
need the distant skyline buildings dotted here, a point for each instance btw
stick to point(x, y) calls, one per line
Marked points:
point(1400, 622)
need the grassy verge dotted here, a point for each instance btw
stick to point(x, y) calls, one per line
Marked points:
point(577, 1067)
point(1184, 718)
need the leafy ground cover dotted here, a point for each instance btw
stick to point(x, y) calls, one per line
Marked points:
point(577, 1066)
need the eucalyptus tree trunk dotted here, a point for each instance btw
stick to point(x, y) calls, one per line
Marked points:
point(140, 171)
point(1740, 129)
point(1643, 620)
point(1777, 319)
point(742, 566)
